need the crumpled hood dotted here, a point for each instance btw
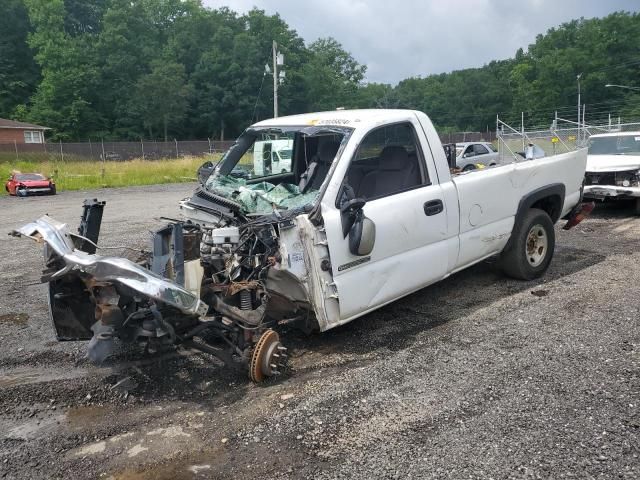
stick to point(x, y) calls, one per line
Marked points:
point(612, 163)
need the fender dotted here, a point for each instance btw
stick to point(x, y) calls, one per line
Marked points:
point(555, 193)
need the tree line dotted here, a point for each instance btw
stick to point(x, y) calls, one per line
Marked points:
point(131, 69)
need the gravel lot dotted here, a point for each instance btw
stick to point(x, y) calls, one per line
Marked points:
point(476, 377)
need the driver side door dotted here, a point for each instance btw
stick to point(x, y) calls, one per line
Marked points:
point(406, 205)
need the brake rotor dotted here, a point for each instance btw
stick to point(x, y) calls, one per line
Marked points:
point(268, 356)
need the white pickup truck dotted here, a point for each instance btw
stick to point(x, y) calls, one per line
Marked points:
point(613, 167)
point(367, 214)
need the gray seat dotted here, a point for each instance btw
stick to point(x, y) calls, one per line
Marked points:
point(397, 172)
point(317, 170)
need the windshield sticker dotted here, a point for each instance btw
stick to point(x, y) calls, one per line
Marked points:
point(295, 258)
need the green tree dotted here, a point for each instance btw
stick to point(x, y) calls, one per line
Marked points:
point(63, 97)
point(99, 67)
point(332, 76)
point(19, 73)
point(161, 97)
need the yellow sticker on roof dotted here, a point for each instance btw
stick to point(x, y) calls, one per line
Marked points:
point(333, 121)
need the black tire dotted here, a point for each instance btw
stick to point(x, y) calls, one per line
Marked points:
point(468, 168)
point(53, 190)
point(636, 206)
point(528, 256)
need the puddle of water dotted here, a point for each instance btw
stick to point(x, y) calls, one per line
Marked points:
point(15, 318)
point(194, 466)
point(25, 376)
point(85, 417)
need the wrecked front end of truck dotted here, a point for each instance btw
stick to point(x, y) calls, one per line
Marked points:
point(613, 167)
point(221, 279)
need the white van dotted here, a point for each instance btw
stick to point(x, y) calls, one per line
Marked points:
point(271, 157)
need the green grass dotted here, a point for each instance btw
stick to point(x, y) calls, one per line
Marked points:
point(85, 175)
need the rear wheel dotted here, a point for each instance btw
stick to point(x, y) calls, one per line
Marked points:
point(532, 246)
point(469, 167)
point(636, 206)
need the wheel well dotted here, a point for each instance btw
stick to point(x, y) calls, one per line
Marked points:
point(549, 198)
point(551, 204)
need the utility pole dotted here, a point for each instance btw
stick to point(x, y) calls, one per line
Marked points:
point(584, 123)
point(275, 79)
point(578, 78)
point(278, 77)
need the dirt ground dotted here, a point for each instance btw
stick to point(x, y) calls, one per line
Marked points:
point(478, 376)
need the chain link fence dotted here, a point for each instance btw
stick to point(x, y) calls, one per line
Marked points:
point(460, 137)
point(562, 136)
point(110, 151)
point(151, 150)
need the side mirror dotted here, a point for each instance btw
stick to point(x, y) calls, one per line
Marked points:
point(360, 229)
point(205, 170)
point(362, 236)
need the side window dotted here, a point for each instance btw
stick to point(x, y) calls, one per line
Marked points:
point(389, 160)
point(480, 149)
point(469, 151)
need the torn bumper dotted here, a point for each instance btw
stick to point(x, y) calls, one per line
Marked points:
point(578, 214)
point(114, 270)
point(607, 191)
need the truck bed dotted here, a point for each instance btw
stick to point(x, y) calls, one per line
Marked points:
point(489, 198)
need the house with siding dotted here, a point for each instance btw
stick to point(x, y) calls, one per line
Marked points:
point(20, 132)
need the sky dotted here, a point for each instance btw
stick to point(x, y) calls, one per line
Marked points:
point(411, 38)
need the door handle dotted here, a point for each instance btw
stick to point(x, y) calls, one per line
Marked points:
point(433, 207)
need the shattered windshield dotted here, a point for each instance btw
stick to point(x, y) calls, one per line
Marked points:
point(274, 169)
point(618, 145)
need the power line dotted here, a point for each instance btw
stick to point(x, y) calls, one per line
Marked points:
point(264, 74)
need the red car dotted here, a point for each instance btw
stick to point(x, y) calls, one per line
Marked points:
point(23, 184)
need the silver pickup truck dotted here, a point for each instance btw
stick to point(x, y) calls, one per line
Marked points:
point(367, 212)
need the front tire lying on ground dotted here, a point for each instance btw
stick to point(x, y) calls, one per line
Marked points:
point(532, 245)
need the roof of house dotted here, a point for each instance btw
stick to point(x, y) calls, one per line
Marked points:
point(5, 123)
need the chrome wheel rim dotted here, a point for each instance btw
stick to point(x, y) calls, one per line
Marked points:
point(537, 245)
